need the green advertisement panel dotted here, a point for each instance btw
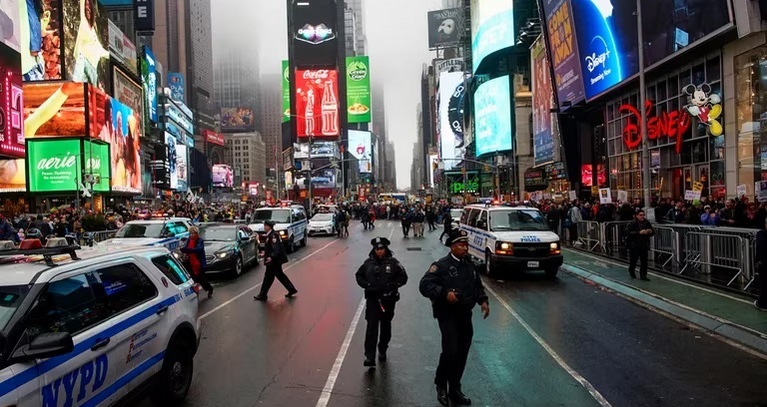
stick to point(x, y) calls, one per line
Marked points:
point(97, 164)
point(285, 92)
point(53, 165)
point(358, 89)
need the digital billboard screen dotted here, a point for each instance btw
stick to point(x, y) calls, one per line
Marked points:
point(11, 104)
point(223, 176)
point(492, 28)
point(86, 42)
point(177, 86)
point(182, 167)
point(360, 148)
point(170, 145)
point(40, 39)
point(543, 130)
point(13, 175)
point(149, 81)
point(322, 179)
point(97, 164)
point(560, 28)
point(317, 103)
point(10, 24)
point(54, 109)
point(358, 89)
point(285, 91)
point(53, 165)
point(492, 116)
point(237, 119)
point(122, 49)
point(320, 149)
point(120, 130)
point(451, 92)
point(314, 33)
point(445, 27)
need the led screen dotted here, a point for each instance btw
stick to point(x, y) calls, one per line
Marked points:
point(492, 116)
point(237, 119)
point(451, 91)
point(543, 132)
point(492, 28)
point(40, 39)
point(565, 60)
point(317, 102)
point(223, 176)
point(149, 81)
point(182, 168)
point(314, 32)
point(285, 91)
point(360, 147)
point(86, 42)
point(53, 165)
point(11, 105)
point(10, 23)
point(320, 149)
point(170, 145)
point(54, 109)
point(358, 89)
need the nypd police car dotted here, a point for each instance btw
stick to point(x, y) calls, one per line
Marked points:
point(290, 222)
point(166, 232)
point(506, 238)
point(87, 332)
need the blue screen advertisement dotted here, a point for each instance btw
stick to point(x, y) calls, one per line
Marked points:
point(607, 42)
point(494, 29)
point(492, 116)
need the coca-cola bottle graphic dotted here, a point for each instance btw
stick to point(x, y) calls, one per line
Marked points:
point(309, 112)
point(329, 111)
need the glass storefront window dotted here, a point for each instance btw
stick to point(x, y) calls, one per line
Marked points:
point(751, 105)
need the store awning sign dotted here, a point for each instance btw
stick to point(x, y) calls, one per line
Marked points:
point(705, 106)
point(671, 125)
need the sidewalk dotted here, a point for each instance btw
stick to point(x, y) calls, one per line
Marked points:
point(727, 315)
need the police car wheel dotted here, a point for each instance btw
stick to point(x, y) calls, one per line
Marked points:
point(551, 272)
point(176, 375)
point(303, 241)
point(290, 247)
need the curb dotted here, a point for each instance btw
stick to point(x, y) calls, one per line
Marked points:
point(731, 332)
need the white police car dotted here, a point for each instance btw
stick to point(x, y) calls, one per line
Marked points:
point(290, 222)
point(166, 232)
point(506, 238)
point(90, 332)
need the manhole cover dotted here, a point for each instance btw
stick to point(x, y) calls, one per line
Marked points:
point(414, 249)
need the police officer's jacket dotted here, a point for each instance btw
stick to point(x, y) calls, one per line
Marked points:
point(273, 248)
point(381, 278)
point(451, 274)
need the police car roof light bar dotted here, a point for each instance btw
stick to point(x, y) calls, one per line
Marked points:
point(46, 252)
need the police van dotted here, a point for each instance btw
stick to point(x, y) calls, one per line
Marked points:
point(91, 331)
point(507, 238)
point(289, 222)
point(166, 232)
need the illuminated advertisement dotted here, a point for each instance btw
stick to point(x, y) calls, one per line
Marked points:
point(587, 175)
point(564, 51)
point(182, 167)
point(237, 119)
point(39, 39)
point(149, 81)
point(361, 149)
point(223, 176)
point(11, 105)
point(53, 165)
point(177, 86)
point(120, 128)
point(129, 92)
point(445, 27)
point(54, 109)
point(320, 149)
point(314, 32)
point(322, 179)
point(451, 92)
point(10, 24)
point(358, 89)
point(543, 132)
point(170, 146)
point(86, 42)
point(13, 175)
point(492, 28)
point(160, 167)
point(97, 165)
point(285, 91)
point(316, 102)
point(213, 137)
point(122, 49)
point(492, 116)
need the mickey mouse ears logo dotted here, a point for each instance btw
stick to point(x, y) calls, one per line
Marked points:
point(315, 34)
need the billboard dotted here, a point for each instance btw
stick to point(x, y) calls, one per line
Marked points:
point(223, 176)
point(170, 146)
point(285, 91)
point(86, 42)
point(177, 86)
point(119, 126)
point(129, 92)
point(53, 165)
point(11, 105)
point(40, 39)
point(543, 130)
point(358, 89)
point(97, 164)
point(492, 28)
point(54, 109)
point(316, 102)
point(360, 147)
point(143, 15)
point(492, 116)
point(160, 167)
point(213, 137)
point(13, 175)
point(451, 92)
point(182, 167)
point(314, 32)
point(10, 24)
point(320, 149)
point(560, 29)
point(122, 49)
point(149, 81)
point(445, 27)
point(322, 179)
point(237, 119)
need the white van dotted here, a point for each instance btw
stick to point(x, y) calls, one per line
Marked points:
point(508, 238)
point(290, 222)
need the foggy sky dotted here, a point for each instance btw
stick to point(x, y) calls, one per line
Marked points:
point(397, 46)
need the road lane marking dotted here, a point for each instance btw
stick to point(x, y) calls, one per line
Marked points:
point(575, 375)
point(333, 376)
point(238, 296)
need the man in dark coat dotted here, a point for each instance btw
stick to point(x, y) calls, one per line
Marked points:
point(761, 267)
point(274, 258)
point(639, 232)
point(454, 288)
point(381, 275)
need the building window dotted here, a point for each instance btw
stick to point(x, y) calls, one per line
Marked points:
point(751, 105)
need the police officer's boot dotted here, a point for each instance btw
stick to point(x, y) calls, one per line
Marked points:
point(442, 395)
point(459, 398)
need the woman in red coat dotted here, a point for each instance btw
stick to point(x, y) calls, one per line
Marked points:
point(195, 262)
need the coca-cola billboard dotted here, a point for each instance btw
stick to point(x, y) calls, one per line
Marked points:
point(317, 103)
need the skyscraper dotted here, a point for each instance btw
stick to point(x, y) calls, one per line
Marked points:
point(356, 42)
point(236, 77)
point(270, 119)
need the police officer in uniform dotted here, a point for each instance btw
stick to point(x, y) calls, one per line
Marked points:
point(381, 275)
point(274, 258)
point(454, 288)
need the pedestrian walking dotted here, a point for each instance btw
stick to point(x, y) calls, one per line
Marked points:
point(194, 249)
point(274, 258)
point(406, 220)
point(454, 288)
point(761, 267)
point(447, 220)
point(381, 275)
point(418, 218)
point(638, 239)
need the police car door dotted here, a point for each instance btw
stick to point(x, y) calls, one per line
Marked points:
point(73, 303)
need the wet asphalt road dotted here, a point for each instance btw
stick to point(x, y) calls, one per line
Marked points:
point(546, 343)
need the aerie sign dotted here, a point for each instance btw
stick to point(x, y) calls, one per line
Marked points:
point(671, 125)
point(56, 163)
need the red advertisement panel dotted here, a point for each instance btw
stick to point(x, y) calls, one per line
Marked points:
point(54, 109)
point(11, 113)
point(317, 103)
point(213, 137)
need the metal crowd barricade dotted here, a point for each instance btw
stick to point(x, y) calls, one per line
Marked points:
point(614, 236)
point(748, 273)
point(665, 245)
point(102, 235)
point(590, 234)
point(706, 250)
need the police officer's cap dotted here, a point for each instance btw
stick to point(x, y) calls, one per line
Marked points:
point(380, 242)
point(457, 236)
point(269, 223)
